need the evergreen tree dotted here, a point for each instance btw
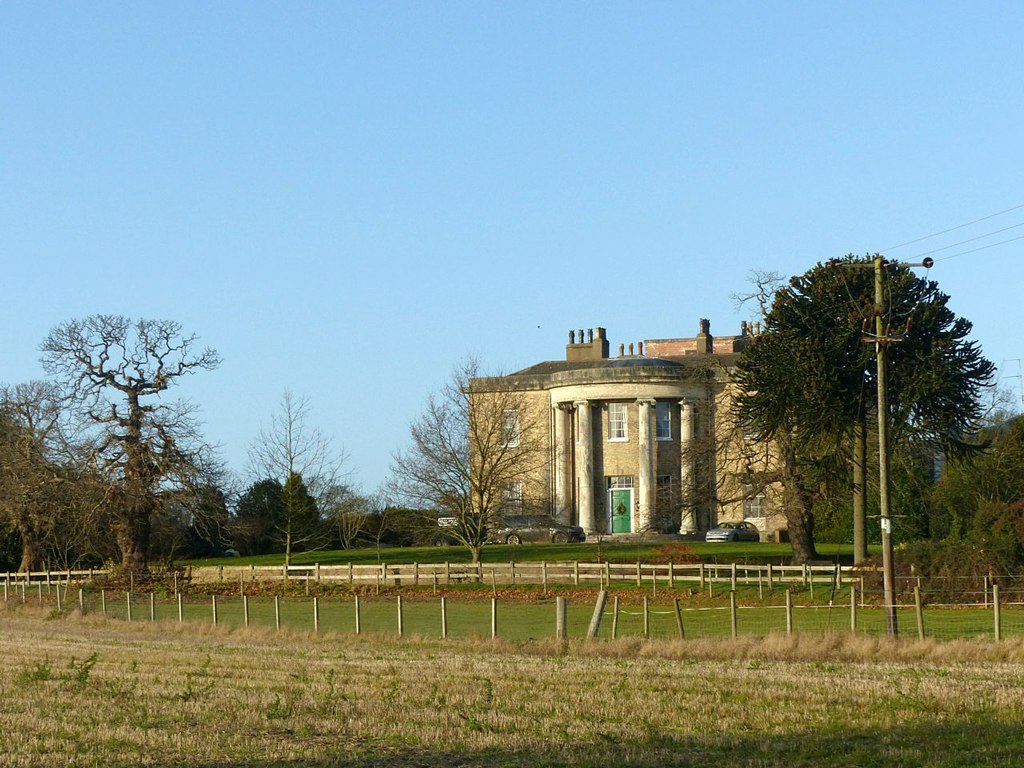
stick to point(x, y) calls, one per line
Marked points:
point(808, 381)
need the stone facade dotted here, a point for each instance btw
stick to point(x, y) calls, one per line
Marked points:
point(642, 441)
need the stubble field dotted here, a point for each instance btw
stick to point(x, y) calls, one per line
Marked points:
point(82, 692)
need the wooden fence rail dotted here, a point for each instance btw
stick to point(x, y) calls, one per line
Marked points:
point(538, 573)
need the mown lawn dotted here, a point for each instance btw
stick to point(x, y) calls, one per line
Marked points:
point(84, 693)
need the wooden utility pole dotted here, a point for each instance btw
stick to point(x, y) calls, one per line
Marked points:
point(881, 339)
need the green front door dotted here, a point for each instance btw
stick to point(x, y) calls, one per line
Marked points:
point(622, 504)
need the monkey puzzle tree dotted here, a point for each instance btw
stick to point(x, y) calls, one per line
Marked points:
point(808, 381)
point(146, 451)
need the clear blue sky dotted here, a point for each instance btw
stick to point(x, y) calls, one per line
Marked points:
point(347, 198)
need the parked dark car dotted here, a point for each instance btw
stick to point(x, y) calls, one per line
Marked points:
point(741, 531)
point(515, 529)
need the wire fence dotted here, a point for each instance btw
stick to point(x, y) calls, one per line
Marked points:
point(993, 615)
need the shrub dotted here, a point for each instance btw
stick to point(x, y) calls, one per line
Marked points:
point(675, 553)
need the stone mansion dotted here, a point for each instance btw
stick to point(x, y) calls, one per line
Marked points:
point(642, 441)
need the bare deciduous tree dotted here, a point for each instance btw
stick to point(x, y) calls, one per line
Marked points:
point(144, 450)
point(347, 512)
point(475, 450)
point(307, 465)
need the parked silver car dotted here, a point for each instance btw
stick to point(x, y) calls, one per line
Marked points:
point(741, 531)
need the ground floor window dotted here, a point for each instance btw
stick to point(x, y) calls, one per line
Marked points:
point(754, 503)
point(512, 497)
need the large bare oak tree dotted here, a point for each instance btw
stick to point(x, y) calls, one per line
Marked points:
point(146, 451)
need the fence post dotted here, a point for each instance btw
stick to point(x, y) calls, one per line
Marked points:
point(732, 614)
point(318, 573)
point(679, 619)
point(771, 579)
point(671, 575)
point(245, 609)
point(175, 582)
point(576, 572)
point(647, 619)
point(415, 574)
point(81, 601)
point(561, 618)
point(638, 573)
point(998, 628)
point(732, 577)
point(316, 614)
point(494, 618)
point(444, 619)
point(853, 608)
point(58, 599)
point(357, 614)
point(595, 619)
point(919, 611)
point(350, 576)
point(702, 577)
point(615, 618)
point(401, 623)
point(277, 612)
point(214, 610)
point(103, 602)
point(512, 572)
point(544, 575)
point(128, 597)
point(789, 612)
point(181, 614)
point(447, 572)
point(152, 607)
point(608, 574)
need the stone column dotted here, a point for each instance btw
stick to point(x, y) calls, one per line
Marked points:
point(563, 455)
point(687, 457)
point(585, 467)
point(645, 468)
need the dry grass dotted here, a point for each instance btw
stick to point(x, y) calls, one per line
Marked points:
point(80, 692)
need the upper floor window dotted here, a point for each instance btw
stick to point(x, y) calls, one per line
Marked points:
point(510, 428)
point(617, 421)
point(663, 421)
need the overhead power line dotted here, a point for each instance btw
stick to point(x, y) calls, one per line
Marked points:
point(982, 248)
point(953, 229)
point(971, 240)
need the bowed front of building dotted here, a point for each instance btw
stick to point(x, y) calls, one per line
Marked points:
point(639, 442)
